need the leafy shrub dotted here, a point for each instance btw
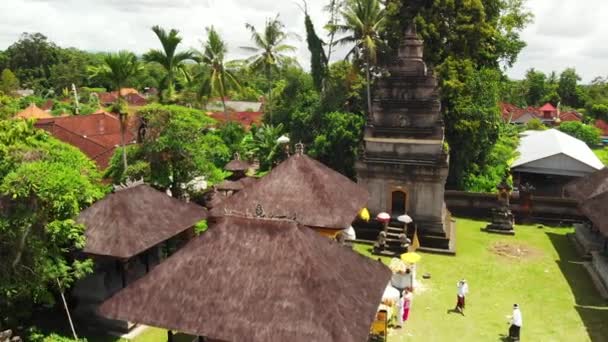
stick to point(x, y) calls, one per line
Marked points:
point(587, 133)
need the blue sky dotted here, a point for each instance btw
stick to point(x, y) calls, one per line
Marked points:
point(565, 33)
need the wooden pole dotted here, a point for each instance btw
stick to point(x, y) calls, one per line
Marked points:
point(169, 336)
point(67, 310)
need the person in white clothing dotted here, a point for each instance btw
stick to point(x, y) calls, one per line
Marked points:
point(463, 289)
point(516, 322)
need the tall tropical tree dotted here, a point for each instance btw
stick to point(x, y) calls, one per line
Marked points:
point(168, 57)
point(118, 68)
point(213, 54)
point(269, 48)
point(363, 20)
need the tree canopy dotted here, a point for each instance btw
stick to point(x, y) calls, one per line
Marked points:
point(177, 147)
point(44, 184)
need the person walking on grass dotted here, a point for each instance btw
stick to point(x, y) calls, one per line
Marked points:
point(407, 303)
point(516, 322)
point(463, 289)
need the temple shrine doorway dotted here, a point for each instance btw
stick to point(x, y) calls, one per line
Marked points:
point(398, 202)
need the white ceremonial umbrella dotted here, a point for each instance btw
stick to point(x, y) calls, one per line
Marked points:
point(405, 218)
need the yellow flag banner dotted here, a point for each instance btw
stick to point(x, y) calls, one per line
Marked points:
point(415, 242)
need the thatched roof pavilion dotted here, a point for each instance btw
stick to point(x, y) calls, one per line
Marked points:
point(33, 112)
point(237, 165)
point(235, 185)
point(303, 189)
point(258, 279)
point(130, 221)
point(588, 186)
point(596, 209)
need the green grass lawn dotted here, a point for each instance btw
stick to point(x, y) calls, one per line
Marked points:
point(557, 299)
point(602, 154)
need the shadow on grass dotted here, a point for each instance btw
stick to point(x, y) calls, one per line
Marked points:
point(589, 305)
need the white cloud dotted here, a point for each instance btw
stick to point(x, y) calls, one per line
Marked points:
point(565, 33)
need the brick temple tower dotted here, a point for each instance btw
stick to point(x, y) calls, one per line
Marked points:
point(405, 165)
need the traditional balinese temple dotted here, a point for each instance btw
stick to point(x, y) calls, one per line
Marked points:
point(238, 179)
point(128, 233)
point(405, 164)
point(303, 189)
point(255, 279)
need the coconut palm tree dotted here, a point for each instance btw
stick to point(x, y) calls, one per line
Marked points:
point(118, 68)
point(362, 21)
point(168, 57)
point(214, 51)
point(268, 49)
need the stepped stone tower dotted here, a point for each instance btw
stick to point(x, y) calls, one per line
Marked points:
point(404, 165)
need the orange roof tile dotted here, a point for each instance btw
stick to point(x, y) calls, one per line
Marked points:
point(244, 118)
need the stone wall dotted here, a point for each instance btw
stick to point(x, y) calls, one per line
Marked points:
point(479, 205)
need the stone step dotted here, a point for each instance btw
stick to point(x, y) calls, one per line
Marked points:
point(596, 279)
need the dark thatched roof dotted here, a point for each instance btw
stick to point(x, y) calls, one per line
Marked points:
point(235, 185)
point(596, 209)
point(128, 222)
point(304, 189)
point(237, 165)
point(230, 185)
point(258, 280)
point(588, 186)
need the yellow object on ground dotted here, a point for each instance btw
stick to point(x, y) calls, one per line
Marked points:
point(410, 257)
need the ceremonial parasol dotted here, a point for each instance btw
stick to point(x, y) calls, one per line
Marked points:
point(383, 217)
point(404, 218)
point(410, 257)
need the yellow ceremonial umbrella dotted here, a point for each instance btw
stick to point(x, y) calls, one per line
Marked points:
point(364, 214)
point(410, 257)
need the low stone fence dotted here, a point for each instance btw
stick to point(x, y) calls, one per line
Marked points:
point(532, 208)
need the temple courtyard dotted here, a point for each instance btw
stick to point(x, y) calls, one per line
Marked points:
point(538, 268)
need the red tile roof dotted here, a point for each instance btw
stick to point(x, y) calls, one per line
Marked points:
point(570, 116)
point(603, 125)
point(96, 135)
point(548, 108)
point(136, 100)
point(512, 113)
point(105, 98)
point(244, 118)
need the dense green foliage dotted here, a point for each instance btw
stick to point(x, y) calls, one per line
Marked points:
point(535, 125)
point(498, 162)
point(587, 133)
point(177, 148)
point(44, 184)
point(318, 59)
point(261, 144)
point(465, 42)
point(8, 82)
point(473, 119)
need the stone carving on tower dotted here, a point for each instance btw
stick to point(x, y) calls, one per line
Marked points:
point(404, 164)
